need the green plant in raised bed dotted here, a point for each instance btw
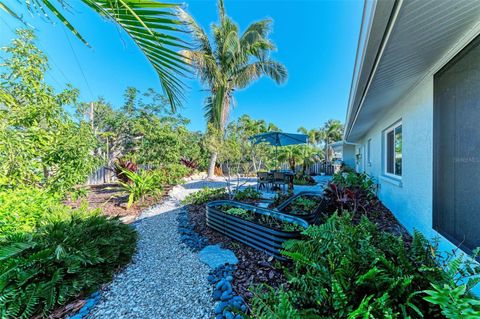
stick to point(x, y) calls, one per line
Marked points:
point(265, 220)
point(303, 205)
point(240, 212)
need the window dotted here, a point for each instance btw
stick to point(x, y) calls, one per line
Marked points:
point(369, 146)
point(393, 148)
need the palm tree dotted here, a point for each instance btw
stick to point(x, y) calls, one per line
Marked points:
point(233, 61)
point(332, 131)
point(152, 25)
point(314, 135)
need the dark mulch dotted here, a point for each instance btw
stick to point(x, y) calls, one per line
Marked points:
point(254, 267)
point(109, 198)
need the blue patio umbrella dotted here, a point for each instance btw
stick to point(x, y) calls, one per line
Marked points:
point(279, 139)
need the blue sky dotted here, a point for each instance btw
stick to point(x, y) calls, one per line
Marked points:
point(316, 41)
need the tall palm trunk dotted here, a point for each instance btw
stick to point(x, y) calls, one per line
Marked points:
point(211, 167)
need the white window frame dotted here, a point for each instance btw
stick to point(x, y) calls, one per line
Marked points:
point(385, 150)
point(369, 152)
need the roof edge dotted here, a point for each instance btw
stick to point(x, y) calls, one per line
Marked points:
point(377, 22)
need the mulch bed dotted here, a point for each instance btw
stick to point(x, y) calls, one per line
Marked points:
point(109, 198)
point(254, 267)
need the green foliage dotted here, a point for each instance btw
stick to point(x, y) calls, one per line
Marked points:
point(454, 302)
point(279, 198)
point(304, 204)
point(144, 130)
point(249, 193)
point(41, 144)
point(353, 180)
point(140, 184)
point(454, 297)
point(342, 270)
point(24, 210)
point(47, 268)
point(239, 212)
point(171, 174)
point(152, 25)
point(205, 195)
point(301, 179)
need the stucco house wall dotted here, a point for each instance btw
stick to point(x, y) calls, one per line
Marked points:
point(410, 197)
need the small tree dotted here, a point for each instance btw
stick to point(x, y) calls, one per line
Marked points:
point(41, 144)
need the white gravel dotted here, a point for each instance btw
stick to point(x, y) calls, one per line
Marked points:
point(165, 279)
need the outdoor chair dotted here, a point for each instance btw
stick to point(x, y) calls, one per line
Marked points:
point(280, 179)
point(263, 180)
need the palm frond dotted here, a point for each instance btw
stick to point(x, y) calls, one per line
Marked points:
point(250, 73)
point(7, 9)
point(152, 25)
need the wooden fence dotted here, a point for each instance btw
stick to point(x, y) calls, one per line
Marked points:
point(103, 175)
point(316, 168)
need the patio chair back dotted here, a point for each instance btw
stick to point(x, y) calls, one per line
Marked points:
point(262, 176)
point(279, 177)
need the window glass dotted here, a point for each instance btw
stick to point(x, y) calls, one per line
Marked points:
point(393, 158)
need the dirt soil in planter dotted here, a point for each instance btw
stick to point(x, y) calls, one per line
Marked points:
point(109, 198)
point(254, 267)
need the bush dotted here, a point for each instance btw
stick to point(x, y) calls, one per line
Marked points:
point(205, 195)
point(172, 174)
point(60, 260)
point(141, 184)
point(249, 193)
point(301, 179)
point(351, 191)
point(342, 270)
point(24, 210)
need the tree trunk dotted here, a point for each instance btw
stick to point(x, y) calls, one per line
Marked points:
point(211, 167)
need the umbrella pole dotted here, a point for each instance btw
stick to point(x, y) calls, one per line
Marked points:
point(276, 156)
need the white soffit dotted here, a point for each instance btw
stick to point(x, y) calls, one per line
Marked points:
point(424, 32)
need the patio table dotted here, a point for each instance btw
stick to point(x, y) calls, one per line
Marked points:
point(289, 174)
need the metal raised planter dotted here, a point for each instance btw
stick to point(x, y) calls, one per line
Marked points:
point(313, 217)
point(248, 232)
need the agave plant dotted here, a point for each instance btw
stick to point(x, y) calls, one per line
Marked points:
point(152, 25)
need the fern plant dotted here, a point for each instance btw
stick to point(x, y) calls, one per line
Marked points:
point(454, 297)
point(47, 268)
point(343, 270)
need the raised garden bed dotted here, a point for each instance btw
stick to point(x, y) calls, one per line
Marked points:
point(257, 227)
point(306, 205)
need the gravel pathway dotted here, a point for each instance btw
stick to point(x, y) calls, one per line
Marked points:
point(165, 279)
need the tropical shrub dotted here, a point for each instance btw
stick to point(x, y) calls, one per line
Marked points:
point(24, 210)
point(342, 270)
point(205, 195)
point(249, 193)
point(351, 191)
point(140, 184)
point(57, 262)
point(172, 174)
point(124, 165)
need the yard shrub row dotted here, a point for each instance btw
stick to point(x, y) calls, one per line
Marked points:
point(50, 253)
